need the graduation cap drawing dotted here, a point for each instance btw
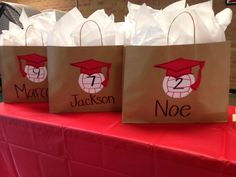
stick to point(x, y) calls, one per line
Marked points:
point(182, 66)
point(34, 60)
point(92, 66)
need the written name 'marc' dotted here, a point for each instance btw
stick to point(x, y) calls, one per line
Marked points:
point(91, 79)
point(30, 93)
point(35, 67)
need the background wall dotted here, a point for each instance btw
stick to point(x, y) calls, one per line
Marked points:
point(118, 7)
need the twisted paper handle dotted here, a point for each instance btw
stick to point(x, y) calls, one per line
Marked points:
point(26, 32)
point(194, 26)
point(100, 31)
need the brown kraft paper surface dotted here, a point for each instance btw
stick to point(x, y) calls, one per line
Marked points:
point(19, 88)
point(65, 92)
point(144, 99)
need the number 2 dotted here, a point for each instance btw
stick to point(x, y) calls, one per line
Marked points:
point(179, 80)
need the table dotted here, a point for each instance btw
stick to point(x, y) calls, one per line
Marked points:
point(34, 143)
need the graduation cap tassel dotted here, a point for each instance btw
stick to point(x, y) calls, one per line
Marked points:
point(199, 77)
point(21, 68)
point(106, 81)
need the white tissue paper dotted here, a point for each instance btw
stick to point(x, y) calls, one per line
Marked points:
point(143, 25)
point(61, 35)
point(224, 18)
point(142, 28)
point(34, 32)
point(207, 29)
point(166, 15)
point(146, 26)
point(90, 35)
point(120, 36)
point(75, 30)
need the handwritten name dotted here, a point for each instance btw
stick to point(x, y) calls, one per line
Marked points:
point(91, 100)
point(23, 92)
point(169, 110)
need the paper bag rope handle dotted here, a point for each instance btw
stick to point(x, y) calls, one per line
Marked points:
point(80, 33)
point(194, 26)
point(26, 32)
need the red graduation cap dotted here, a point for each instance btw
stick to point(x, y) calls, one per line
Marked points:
point(92, 66)
point(180, 67)
point(34, 60)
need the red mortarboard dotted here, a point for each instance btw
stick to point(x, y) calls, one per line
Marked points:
point(92, 66)
point(180, 67)
point(32, 60)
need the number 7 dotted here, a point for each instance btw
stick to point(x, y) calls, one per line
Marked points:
point(94, 77)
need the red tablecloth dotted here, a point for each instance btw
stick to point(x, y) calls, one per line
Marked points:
point(34, 143)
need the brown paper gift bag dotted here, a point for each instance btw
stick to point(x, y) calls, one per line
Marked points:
point(176, 84)
point(85, 79)
point(24, 74)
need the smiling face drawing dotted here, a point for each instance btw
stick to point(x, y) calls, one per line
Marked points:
point(179, 81)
